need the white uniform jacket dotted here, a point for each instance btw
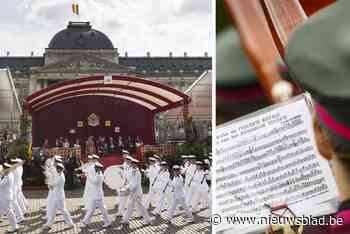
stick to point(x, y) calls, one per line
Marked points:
point(177, 185)
point(97, 183)
point(163, 180)
point(6, 189)
point(134, 182)
point(58, 187)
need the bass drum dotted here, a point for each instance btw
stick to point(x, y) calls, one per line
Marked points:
point(114, 177)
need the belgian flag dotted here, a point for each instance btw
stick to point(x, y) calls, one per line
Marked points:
point(75, 8)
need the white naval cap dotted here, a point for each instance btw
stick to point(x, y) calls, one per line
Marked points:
point(134, 160)
point(60, 165)
point(163, 163)
point(191, 156)
point(97, 164)
point(125, 152)
point(16, 160)
point(199, 162)
point(58, 160)
point(58, 156)
point(176, 167)
point(206, 161)
point(184, 156)
point(7, 165)
point(94, 156)
point(152, 159)
point(156, 157)
point(90, 156)
point(129, 158)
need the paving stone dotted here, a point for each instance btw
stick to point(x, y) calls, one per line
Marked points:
point(34, 220)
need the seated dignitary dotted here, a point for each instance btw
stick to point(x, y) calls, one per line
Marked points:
point(96, 198)
point(317, 56)
point(178, 199)
point(58, 200)
point(134, 187)
point(7, 196)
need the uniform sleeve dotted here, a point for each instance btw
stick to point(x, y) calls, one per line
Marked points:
point(4, 182)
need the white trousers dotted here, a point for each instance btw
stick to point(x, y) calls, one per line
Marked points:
point(135, 199)
point(122, 204)
point(20, 199)
point(179, 202)
point(23, 198)
point(161, 201)
point(190, 191)
point(6, 209)
point(92, 205)
point(18, 211)
point(61, 206)
point(151, 197)
point(200, 196)
point(49, 203)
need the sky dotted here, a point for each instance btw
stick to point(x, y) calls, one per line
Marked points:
point(134, 26)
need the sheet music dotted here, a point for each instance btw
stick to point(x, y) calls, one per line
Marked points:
point(270, 157)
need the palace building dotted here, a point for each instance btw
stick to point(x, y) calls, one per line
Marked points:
point(79, 51)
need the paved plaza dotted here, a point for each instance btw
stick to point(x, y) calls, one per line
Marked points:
point(35, 218)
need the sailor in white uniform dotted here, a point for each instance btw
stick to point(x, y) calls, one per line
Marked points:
point(96, 198)
point(208, 178)
point(122, 198)
point(200, 188)
point(178, 199)
point(163, 186)
point(17, 208)
point(58, 200)
point(135, 198)
point(22, 201)
point(89, 171)
point(190, 170)
point(153, 173)
point(158, 159)
point(50, 172)
point(7, 196)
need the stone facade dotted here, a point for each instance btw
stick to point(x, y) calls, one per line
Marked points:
point(75, 53)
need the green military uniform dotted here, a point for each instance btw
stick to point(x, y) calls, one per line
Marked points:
point(238, 89)
point(318, 58)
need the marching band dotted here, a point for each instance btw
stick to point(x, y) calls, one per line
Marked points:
point(186, 186)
